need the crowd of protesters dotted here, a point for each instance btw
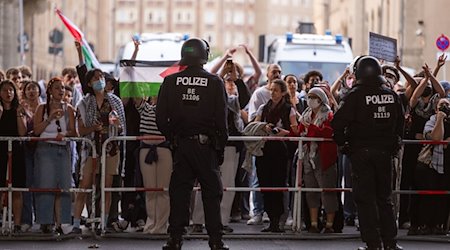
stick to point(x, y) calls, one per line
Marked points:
point(79, 102)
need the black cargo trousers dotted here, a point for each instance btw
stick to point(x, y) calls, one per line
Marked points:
point(372, 189)
point(192, 161)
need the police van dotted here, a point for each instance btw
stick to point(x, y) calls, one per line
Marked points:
point(301, 52)
point(163, 48)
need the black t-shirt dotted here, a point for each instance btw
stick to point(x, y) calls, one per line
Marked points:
point(8, 123)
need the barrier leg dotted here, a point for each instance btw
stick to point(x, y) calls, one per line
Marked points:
point(297, 225)
point(9, 182)
point(447, 227)
point(5, 209)
point(94, 193)
point(102, 186)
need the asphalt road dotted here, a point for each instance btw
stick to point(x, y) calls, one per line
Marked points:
point(198, 244)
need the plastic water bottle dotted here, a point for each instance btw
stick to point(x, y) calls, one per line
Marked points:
point(113, 128)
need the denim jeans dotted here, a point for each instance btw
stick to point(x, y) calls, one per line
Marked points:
point(258, 203)
point(349, 203)
point(52, 170)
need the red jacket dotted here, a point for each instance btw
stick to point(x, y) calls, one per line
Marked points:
point(327, 150)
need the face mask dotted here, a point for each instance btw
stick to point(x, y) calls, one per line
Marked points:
point(99, 85)
point(349, 82)
point(426, 92)
point(313, 103)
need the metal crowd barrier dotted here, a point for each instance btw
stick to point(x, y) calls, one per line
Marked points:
point(297, 189)
point(7, 222)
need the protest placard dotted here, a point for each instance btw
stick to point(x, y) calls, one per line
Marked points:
point(382, 47)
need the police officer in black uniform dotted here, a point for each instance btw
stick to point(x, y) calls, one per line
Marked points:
point(191, 113)
point(368, 126)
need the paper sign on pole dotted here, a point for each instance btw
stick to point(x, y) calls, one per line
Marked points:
point(382, 47)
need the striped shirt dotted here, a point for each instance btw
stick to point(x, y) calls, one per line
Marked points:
point(148, 119)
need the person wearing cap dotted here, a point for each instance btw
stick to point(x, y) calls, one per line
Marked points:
point(368, 126)
point(319, 160)
point(192, 115)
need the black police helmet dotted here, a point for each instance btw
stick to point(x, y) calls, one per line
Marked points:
point(367, 67)
point(194, 52)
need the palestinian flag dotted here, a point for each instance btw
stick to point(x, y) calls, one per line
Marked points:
point(143, 78)
point(89, 56)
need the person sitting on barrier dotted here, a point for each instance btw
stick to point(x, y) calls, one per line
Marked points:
point(271, 167)
point(12, 123)
point(435, 174)
point(94, 125)
point(54, 119)
point(30, 102)
point(319, 158)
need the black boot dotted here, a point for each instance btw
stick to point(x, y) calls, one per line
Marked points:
point(369, 248)
point(218, 245)
point(393, 247)
point(275, 225)
point(173, 244)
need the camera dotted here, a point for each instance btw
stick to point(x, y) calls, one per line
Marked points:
point(315, 83)
point(275, 130)
point(446, 110)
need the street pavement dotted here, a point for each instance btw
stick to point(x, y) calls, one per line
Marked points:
point(198, 244)
point(244, 237)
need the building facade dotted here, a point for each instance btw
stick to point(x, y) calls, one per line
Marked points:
point(416, 24)
point(109, 24)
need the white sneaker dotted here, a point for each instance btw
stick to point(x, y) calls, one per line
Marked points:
point(120, 226)
point(289, 221)
point(25, 228)
point(255, 220)
point(140, 225)
point(265, 218)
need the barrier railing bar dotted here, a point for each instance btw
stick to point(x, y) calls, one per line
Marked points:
point(298, 189)
point(9, 189)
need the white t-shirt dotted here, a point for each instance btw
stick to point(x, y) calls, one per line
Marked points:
point(259, 97)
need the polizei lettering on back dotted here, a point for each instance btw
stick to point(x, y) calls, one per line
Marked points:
point(379, 99)
point(192, 81)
